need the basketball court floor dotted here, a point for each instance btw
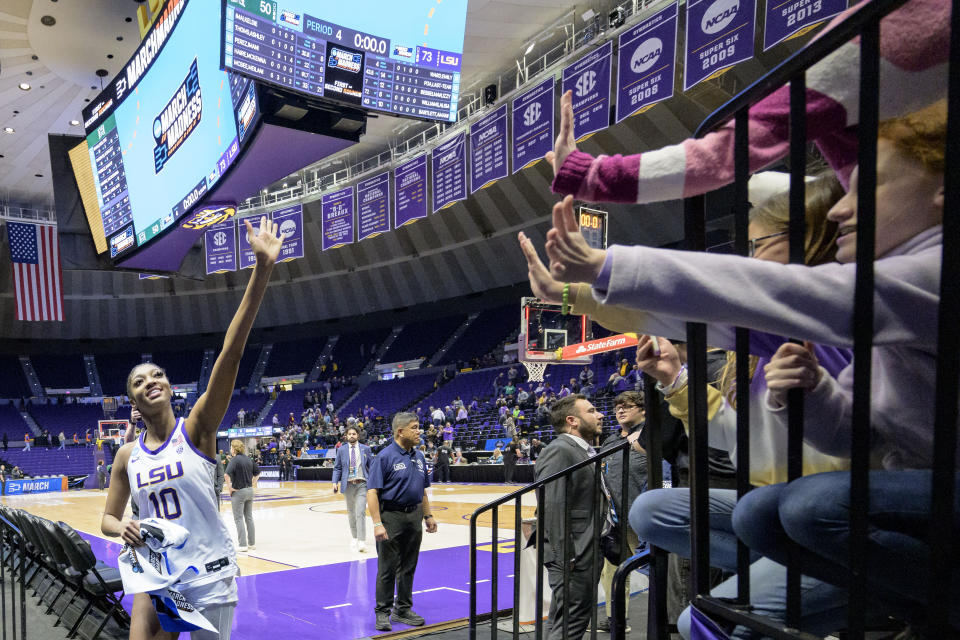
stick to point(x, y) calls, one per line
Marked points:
point(303, 580)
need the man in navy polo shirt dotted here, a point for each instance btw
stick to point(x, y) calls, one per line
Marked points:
point(397, 500)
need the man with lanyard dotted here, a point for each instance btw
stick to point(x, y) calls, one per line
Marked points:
point(350, 474)
point(628, 408)
point(397, 499)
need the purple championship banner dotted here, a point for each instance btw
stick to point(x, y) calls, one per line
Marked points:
point(787, 18)
point(247, 259)
point(645, 69)
point(410, 189)
point(373, 206)
point(220, 241)
point(533, 124)
point(589, 79)
point(449, 162)
point(289, 222)
point(719, 35)
point(336, 211)
point(488, 149)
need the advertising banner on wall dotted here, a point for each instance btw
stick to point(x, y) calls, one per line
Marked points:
point(533, 124)
point(220, 244)
point(645, 69)
point(589, 78)
point(488, 149)
point(373, 206)
point(449, 162)
point(719, 35)
point(410, 187)
point(336, 210)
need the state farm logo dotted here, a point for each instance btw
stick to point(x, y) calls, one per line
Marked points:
point(719, 15)
point(646, 55)
point(586, 83)
point(609, 343)
point(532, 114)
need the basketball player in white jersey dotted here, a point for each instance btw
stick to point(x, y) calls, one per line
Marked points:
point(170, 468)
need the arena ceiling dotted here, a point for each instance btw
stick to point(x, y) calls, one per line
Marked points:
point(465, 249)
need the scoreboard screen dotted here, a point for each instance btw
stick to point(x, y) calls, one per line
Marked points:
point(593, 226)
point(402, 58)
point(167, 127)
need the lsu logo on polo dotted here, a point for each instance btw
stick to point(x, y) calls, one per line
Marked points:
point(400, 466)
point(718, 15)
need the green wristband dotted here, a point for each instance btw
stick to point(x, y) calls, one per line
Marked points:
point(565, 307)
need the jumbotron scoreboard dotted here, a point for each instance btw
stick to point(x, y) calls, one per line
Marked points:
point(402, 58)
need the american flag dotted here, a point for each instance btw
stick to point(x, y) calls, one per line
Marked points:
point(35, 252)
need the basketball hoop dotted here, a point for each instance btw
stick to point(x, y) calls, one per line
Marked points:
point(535, 370)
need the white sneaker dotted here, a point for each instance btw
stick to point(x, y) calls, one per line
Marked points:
point(252, 547)
point(361, 546)
point(242, 549)
point(353, 545)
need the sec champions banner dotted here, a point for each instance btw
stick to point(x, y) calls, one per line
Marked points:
point(533, 124)
point(719, 35)
point(220, 242)
point(589, 79)
point(786, 18)
point(290, 223)
point(645, 68)
point(373, 206)
point(336, 211)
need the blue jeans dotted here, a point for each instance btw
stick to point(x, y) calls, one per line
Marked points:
point(814, 512)
point(663, 518)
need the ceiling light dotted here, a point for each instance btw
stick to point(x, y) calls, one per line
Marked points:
point(24, 86)
point(48, 21)
point(530, 48)
point(9, 130)
point(74, 123)
point(284, 185)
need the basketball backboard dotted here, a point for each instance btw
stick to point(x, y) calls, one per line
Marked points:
point(544, 330)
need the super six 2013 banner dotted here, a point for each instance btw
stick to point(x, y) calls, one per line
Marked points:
point(719, 35)
point(788, 18)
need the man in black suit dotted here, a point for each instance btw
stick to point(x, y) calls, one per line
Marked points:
point(577, 423)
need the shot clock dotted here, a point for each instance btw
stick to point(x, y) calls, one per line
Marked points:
point(593, 226)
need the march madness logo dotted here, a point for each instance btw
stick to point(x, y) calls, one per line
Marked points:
point(178, 119)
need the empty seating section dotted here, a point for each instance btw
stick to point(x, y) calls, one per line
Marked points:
point(389, 396)
point(60, 371)
point(247, 363)
point(12, 423)
point(251, 403)
point(291, 358)
point(69, 418)
point(114, 369)
point(287, 402)
point(14, 383)
point(354, 350)
point(72, 461)
point(487, 330)
point(422, 339)
point(182, 367)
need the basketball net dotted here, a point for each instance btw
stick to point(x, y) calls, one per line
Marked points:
point(535, 370)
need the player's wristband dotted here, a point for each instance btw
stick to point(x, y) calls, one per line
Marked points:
point(565, 307)
point(377, 524)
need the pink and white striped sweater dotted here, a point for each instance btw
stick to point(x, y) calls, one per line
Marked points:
point(914, 49)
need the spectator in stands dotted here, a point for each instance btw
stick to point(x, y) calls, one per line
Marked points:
point(276, 421)
point(513, 375)
point(509, 391)
point(586, 376)
point(498, 383)
point(448, 414)
point(462, 414)
point(3, 479)
point(577, 423)
point(458, 457)
point(26, 442)
point(101, 475)
point(6, 441)
point(17, 473)
point(448, 434)
point(523, 397)
point(436, 414)
point(441, 469)
point(510, 457)
point(87, 438)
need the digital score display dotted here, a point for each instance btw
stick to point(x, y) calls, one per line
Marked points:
point(402, 58)
point(593, 227)
point(167, 127)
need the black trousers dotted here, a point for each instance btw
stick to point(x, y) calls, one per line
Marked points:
point(397, 558)
point(442, 473)
point(582, 599)
point(508, 469)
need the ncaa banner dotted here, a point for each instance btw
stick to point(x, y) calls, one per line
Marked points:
point(719, 35)
point(290, 223)
point(787, 18)
point(220, 244)
point(373, 206)
point(645, 68)
point(449, 162)
point(410, 187)
point(488, 149)
point(533, 124)
point(246, 257)
point(336, 211)
point(589, 78)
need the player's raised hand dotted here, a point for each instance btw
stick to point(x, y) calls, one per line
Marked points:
point(541, 282)
point(264, 241)
point(571, 258)
point(566, 143)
